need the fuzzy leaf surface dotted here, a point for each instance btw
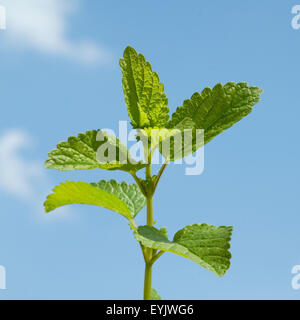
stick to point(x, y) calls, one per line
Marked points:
point(119, 197)
point(130, 194)
point(204, 244)
point(144, 94)
point(217, 109)
point(80, 153)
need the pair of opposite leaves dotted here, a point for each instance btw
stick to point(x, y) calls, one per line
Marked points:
point(212, 110)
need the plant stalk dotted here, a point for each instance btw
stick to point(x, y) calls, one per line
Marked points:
point(150, 211)
point(148, 281)
point(149, 198)
point(149, 252)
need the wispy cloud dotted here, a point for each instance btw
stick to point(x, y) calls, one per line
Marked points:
point(21, 178)
point(43, 24)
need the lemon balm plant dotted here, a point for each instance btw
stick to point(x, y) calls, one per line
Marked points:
point(212, 111)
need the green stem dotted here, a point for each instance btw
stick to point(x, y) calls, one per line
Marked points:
point(137, 180)
point(149, 198)
point(155, 257)
point(150, 211)
point(149, 252)
point(148, 281)
point(161, 171)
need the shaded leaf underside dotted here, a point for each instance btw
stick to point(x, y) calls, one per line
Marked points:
point(204, 244)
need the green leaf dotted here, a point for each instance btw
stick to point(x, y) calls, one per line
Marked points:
point(144, 94)
point(173, 143)
point(80, 153)
point(217, 109)
point(204, 244)
point(153, 136)
point(128, 193)
point(155, 295)
point(164, 231)
point(119, 197)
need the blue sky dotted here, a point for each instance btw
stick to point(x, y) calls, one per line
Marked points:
point(59, 76)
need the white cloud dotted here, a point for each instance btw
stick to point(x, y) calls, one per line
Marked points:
point(42, 25)
point(23, 179)
point(15, 173)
